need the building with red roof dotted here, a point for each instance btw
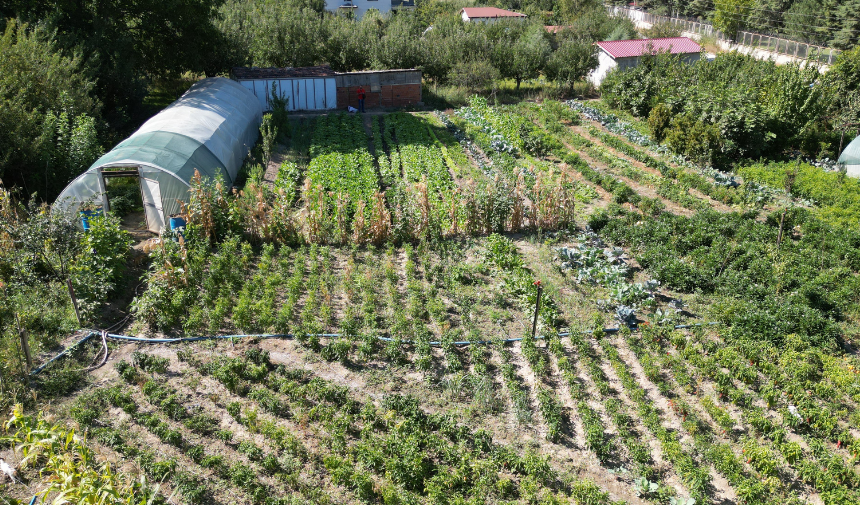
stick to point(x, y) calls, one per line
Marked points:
point(627, 53)
point(487, 14)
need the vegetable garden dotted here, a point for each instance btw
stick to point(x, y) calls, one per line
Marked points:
point(695, 336)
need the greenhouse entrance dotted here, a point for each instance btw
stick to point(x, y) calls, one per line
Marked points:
point(134, 199)
point(152, 204)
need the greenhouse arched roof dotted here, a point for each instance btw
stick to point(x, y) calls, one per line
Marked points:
point(209, 129)
point(851, 154)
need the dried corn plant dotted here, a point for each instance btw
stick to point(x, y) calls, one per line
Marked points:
point(208, 207)
point(545, 206)
point(554, 204)
point(380, 220)
point(253, 212)
point(469, 207)
point(341, 217)
point(567, 201)
point(518, 204)
point(283, 227)
point(452, 204)
point(359, 224)
point(422, 203)
point(315, 213)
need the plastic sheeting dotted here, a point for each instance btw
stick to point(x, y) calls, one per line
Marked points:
point(851, 158)
point(210, 129)
point(217, 112)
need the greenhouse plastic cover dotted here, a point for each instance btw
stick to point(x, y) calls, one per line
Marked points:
point(217, 112)
point(211, 129)
point(851, 158)
point(851, 154)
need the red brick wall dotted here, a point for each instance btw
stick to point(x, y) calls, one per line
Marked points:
point(388, 96)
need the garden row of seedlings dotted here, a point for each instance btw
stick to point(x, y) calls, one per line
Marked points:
point(619, 167)
point(710, 442)
point(391, 452)
point(686, 458)
point(592, 417)
point(672, 183)
point(198, 468)
point(720, 454)
point(553, 121)
point(707, 180)
point(619, 414)
point(805, 444)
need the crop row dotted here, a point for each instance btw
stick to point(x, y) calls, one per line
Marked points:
point(719, 189)
point(622, 193)
point(411, 451)
point(825, 472)
point(822, 468)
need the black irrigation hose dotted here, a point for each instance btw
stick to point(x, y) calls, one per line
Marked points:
point(289, 336)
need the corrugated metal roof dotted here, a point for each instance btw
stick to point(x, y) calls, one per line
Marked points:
point(638, 47)
point(490, 12)
point(282, 73)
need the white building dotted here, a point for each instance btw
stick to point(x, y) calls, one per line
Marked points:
point(487, 14)
point(358, 7)
point(627, 53)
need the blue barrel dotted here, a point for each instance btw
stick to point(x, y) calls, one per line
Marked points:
point(87, 214)
point(176, 222)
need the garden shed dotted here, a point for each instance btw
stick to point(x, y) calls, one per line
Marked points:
point(209, 129)
point(851, 158)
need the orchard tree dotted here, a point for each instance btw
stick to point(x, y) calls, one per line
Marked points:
point(474, 75)
point(571, 62)
point(400, 46)
point(523, 55)
point(348, 45)
point(729, 15)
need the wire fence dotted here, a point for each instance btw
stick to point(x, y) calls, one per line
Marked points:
point(795, 49)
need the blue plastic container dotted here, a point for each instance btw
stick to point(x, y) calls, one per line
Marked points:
point(86, 215)
point(176, 222)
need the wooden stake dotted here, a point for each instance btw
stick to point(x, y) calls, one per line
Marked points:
point(781, 221)
point(25, 344)
point(74, 301)
point(537, 308)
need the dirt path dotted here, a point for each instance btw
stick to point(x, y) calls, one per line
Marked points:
point(274, 165)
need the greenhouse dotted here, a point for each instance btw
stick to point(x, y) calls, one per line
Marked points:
point(210, 129)
point(851, 158)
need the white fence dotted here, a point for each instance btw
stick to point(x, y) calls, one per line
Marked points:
point(801, 50)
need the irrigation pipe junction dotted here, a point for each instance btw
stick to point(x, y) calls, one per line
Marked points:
point(105, 335)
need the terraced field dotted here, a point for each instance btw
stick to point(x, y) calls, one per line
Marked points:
point(694, 341)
